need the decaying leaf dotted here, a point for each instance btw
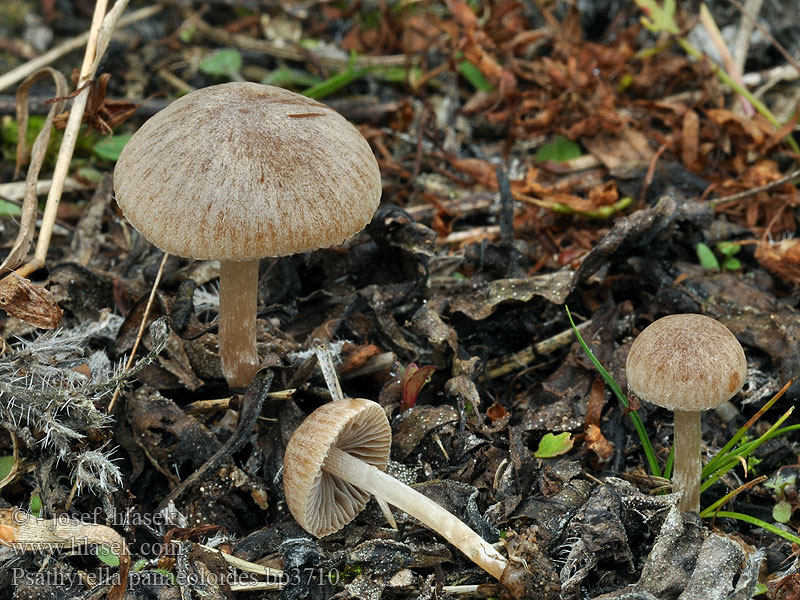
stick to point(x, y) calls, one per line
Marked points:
point(102, 114)
point(33, 304)
point(781, 258)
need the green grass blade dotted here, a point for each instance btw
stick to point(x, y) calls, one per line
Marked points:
point(712, 464)
point(652, 461)
point(759, 523)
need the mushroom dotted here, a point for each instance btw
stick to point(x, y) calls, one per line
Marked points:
point(686, 363)
point(241, 171)
point(335, 460)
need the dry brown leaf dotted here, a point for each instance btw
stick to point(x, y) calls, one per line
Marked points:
point(597, 443)
point(737, 124)
point(32, 303)
point(781, 258)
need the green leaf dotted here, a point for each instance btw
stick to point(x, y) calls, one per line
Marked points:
point(186, 33)
point(334, 84)
point(625, 82)
point(554, 445)
point(558, 150)
point(731, 264)
point(225, 62)
point(6, 464)
point(728, 248)
point(661, 17)
point(286, 77)
point(473, 74)
point(9, 209)
point(107, 556)
point(90, 174)
point(110, 147)
point(707, 259)
point(782, 512)
point(139, 565)
point(35, 506)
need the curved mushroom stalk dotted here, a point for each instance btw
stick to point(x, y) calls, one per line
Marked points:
point(335, 460)
point(371, 479)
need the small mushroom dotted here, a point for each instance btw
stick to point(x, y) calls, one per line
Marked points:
point(241, 171)
point(686, 363)
point(335, 460)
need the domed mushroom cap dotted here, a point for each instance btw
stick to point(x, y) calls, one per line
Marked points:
point(320, 502)
point(240, 171)
point(686, 362)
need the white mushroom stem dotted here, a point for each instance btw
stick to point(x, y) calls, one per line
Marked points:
point(686, 474)
point(371, 479)
point(238, 300)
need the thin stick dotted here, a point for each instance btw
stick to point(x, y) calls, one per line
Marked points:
point(142, 325)
point(70, 138)
point(328, 371)
point(756, 190)
point(21, 72)
point(741, 45)
point(727, 59)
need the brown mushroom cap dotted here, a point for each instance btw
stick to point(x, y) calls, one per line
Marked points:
point(322, 503)
point(686, 362)
point(240, 171)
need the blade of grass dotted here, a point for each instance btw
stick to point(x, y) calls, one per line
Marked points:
point(712, 464)
point(334, 83)
point(652, 461)
point(709, 512)
point(732, 458)
point(759, 523)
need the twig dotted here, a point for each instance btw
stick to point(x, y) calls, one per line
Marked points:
point(757, 190)
point(775, 43)
point(22, 71)
point(142, 325)
point(730, 65)
point(511, 362)
point(214, 404)
point(741, 45)
point(15, 191)
point(99, 37)
point(292, 52)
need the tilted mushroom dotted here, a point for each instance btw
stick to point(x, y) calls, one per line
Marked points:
point(335, 460)
point(241, 171)
point(686, 363)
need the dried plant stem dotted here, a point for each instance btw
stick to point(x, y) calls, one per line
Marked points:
point(33, 65)
point(142, 325)
point(99, 37)
point(513, 362)
point(727, 59)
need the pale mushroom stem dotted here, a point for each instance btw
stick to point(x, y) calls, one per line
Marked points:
point(686, 475)
point(238, 300)
point(374, 481)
